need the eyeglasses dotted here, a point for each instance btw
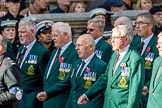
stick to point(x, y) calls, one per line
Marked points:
point(158, 14)
point(141, 23)
point(116, 37)
point(91, 30)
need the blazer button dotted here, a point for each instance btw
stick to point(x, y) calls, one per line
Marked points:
point(153, 94)
point(110, 98)
point(74, 91)
point(74, 101)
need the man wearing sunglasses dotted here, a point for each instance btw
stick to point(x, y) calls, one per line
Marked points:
point(95, 28)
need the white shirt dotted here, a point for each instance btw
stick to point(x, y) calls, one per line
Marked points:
point(29, 47)
point(146, 41)
point(122, 54)
point(96, 41)
point(87, 60)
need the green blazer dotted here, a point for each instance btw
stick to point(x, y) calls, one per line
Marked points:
point(10, 51)
point(103, 50)
point(155, 91)
point(32, 75)
point(96, 67)
point(59, 101)
point(151, 48)
point(121, 91)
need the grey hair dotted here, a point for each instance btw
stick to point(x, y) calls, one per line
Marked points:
point(62, 28)
point(149, 19)
point(30, 25)
point(3, 42)
point(125, 30)
point(99, 22)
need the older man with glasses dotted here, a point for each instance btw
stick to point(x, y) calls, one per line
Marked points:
point(145, 42)
point(124, 78)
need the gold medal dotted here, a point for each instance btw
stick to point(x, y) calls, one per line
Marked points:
point(123, 83)
point(88, 84)
point(62, 75)
point(31, 70)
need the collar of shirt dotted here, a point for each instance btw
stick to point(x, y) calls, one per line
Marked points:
point(122, 54)
point(96, 41)
point(29, 47)
point(87, 60)
point(65, 47)
point(146, 41)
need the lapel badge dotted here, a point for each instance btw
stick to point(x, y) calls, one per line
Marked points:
point(31, 70)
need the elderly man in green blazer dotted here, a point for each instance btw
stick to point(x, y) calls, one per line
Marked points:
point(82, 76)
point(60, 64)
point(155, 100)
point(145, 42)
point(103, 50)
point(31, 59)
point(124, 77)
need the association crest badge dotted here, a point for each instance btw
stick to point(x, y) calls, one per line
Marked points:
point(31, 70)
point(148, 60)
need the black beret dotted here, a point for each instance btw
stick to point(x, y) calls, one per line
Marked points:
point(14, 1)
point(155, 9)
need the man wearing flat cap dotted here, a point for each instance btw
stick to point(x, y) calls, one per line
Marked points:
point(115, 5)
point(156, 12)
point(8, 30)
point(44, 34)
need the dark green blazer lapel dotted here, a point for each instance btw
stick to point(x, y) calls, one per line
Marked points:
point(135, 42)
point(49, 63)
point(99, 43)
point(152, 44)
point(118, 70)
point(67, 51)
point(73, 79)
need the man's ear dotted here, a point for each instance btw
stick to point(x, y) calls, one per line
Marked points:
point(32, 30)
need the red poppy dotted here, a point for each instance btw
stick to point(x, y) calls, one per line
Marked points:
point(87, 69)
point(148, 49)
point(61, 59)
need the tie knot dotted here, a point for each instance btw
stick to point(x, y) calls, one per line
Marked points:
point(142, 43)
point(83, 62)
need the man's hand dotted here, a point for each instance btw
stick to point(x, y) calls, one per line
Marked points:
point(42, 96)
point(82, 100)
point(145, 91)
